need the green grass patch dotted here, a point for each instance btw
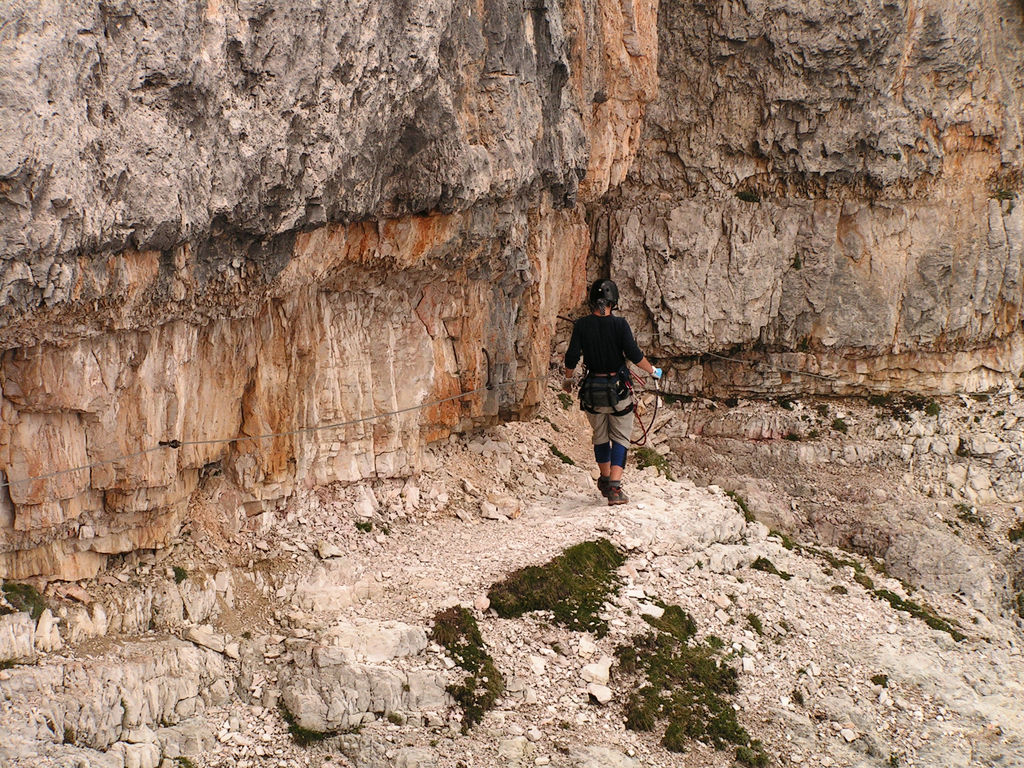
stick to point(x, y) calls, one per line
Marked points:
point(880, 680)
point(573, 586)
point(23, 597)
point(675, 622)
point(180, 574)
point(684, 686)
point(457, 631)
point(839, 589)
point(766, 565)
point(932, 409)
point(565, 399)
point(742, 504)
point(648, 457)
point(748, 196)
point(840, 425)
point(364, 525)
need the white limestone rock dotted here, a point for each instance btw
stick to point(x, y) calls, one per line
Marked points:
point(17, 637)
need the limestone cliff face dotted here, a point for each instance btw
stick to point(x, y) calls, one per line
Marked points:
point(223, 220)
point(832, 187)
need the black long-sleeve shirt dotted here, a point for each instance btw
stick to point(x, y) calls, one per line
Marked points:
point(605, 342)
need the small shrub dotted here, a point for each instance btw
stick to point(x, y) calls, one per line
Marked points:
point(395, 719)
point(364, 525)
point(881, 680)
point(573, 586)
point(648, 457)
point(753, 756)
point(561, 456)
point(786, 541)
point(797, 696)
point(839, 589)
point(1016, 533)
point(748, 196)
point(969, 515)
point(565, 399)
point(741, 503)
point(457, 632)
point(183, 762)
point(794, 436)
point(304, 737)
point(822, 409)
point(839, 425)
point(23, 597)
point(180, 574)
point(766, 565)
point(755, 623)
point(864, 580)
point(932, 409)
point(924, 613)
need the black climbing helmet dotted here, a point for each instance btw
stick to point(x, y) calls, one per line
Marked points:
point(604, 293)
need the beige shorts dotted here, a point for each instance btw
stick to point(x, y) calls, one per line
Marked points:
point(607, 426)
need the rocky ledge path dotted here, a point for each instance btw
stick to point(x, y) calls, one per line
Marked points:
point(320, 613)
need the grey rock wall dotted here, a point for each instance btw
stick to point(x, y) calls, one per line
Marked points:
point(835, 179)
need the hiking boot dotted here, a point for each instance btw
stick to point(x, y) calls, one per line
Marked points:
point(603, 483)
point(616, 496)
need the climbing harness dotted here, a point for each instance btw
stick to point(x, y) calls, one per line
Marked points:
point(604, 391)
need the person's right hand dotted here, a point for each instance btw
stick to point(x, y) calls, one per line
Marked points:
point(567, 385)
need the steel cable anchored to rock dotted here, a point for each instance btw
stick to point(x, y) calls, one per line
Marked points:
point(175, 443)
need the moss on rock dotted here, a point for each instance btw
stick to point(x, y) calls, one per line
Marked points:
point(573, 586)
point(457, 631)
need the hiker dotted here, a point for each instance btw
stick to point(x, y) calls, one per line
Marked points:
point(606, 342)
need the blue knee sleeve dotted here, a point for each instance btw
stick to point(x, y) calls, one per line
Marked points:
point(618, 454)
point(602, 452)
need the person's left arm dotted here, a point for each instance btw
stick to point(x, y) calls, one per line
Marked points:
point(633, 353)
